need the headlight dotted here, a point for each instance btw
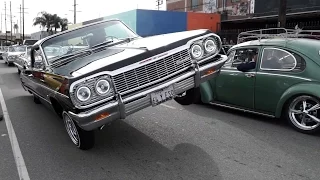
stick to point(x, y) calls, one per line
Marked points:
point(196, 51)
point(102, 87)
point(83, 93)
point(210, 46)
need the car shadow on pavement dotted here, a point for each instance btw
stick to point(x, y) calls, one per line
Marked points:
point(121, 151)
point(150, 159)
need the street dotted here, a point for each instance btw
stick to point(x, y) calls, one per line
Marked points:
point(169, 141)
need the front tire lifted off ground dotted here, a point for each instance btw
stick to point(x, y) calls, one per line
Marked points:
point(84, 140)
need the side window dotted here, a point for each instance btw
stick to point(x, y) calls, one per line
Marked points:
point(240, 56)
point(281, 60)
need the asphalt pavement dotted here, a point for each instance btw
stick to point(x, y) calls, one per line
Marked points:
point(169, 141)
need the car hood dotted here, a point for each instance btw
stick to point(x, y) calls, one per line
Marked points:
point(118, 56)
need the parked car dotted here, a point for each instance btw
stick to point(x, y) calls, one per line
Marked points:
point(284, 80)
point(29, 42)
point(116, 73)
point(2, 50)
point(13, 53)
point(23, 61)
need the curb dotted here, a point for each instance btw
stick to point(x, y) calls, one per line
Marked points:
point(1, 113)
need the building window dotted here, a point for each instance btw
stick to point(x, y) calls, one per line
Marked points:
point(194, 4)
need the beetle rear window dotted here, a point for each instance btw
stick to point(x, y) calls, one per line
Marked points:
point(280, 60)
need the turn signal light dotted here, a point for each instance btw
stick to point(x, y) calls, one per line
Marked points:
point(102, 116)
point(210, 71)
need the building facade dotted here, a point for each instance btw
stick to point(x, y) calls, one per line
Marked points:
point(39, 35)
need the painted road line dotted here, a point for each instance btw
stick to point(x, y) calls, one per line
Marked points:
point(21, 166)
point(171, 107)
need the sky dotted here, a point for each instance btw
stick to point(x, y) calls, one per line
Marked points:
point(89, 9)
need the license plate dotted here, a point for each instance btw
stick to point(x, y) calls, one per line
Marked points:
point(162, 96)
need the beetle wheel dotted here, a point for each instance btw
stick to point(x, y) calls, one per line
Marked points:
point(303, 114)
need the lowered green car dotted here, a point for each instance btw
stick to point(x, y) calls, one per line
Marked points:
point(277, 77)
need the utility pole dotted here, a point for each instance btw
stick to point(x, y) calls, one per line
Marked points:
point(75, 12)
point(5, 21)
point(22, 20)
point(10, 21)
point(282, 13)
point(159, 2)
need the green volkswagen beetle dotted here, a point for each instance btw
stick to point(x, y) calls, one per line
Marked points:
point(282, 80)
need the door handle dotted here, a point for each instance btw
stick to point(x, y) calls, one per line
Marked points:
point(41, 80)
point(249, 75)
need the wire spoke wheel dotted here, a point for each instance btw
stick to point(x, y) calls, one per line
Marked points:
point(72, 130)
point(304, 113)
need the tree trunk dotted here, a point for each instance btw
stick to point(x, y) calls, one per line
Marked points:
point(282, 14)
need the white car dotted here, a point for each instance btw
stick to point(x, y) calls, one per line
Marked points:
point(13, 53)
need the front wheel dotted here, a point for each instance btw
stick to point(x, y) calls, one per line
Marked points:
point(84, 140)
point(303, 114)
point(189, 97)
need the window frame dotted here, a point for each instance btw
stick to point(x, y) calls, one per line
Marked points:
point(193, 6)
point(242, 48)
point(281, 70)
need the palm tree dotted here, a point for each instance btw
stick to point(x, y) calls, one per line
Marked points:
point(55, 22)
point(16, 27)
point(44, 20)
point(64, 24)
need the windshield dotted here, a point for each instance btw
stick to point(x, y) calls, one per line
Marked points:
point(85, 38)
point(20, 49)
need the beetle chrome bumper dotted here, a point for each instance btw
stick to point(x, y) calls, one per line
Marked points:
point(124, 106)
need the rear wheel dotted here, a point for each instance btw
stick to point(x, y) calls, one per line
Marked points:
point(188, 97)
point(303, 113)
point(84, 140)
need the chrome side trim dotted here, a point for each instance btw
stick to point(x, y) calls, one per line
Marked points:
point(269, 74)
point(37, 94)
point(285, 75)
point(240, 109)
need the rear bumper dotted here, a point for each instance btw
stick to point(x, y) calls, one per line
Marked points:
point(125, 106)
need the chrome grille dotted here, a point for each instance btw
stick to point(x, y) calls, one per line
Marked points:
point(90, 83)
point(151, 72)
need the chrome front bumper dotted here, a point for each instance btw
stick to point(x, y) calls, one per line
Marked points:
point(125, 106)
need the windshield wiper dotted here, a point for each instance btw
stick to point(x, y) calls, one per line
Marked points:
point(66, 56)
point(101, 44)
point(110, 43)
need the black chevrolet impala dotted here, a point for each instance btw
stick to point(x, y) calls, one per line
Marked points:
point(101, 72)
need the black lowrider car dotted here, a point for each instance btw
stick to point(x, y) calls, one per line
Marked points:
point(101, 72)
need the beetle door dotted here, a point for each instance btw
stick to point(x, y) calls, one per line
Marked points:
point(233, 86)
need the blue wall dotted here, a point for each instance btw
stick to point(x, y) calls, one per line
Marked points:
point(151, 22)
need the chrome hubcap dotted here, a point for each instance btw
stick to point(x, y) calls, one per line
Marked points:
point(304, 112)
point(71, 129)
